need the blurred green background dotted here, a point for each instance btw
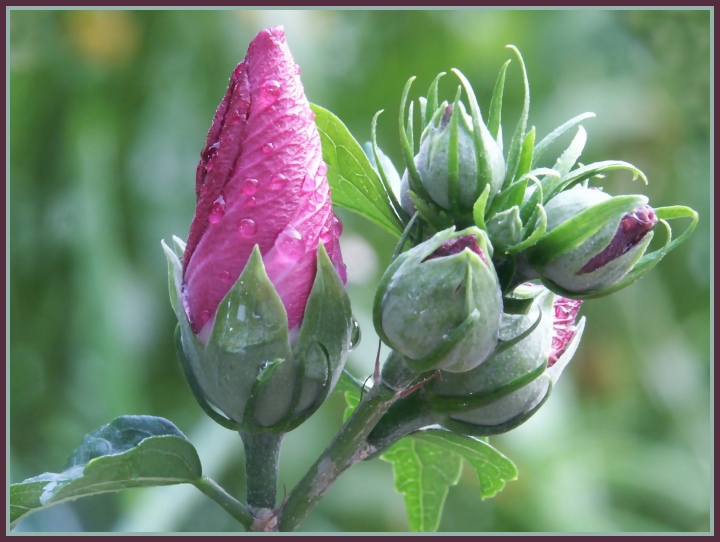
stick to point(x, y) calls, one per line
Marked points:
point(108, 113)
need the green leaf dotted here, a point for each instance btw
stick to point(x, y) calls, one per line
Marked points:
point(493, 469)
point(129, 452)
point(423, 474)
point(354, 183)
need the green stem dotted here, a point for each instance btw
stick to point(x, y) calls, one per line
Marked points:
point(231, 505)
point(262, 454)
point(347, 448)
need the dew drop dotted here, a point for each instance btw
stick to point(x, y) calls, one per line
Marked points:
point(267, 148)
point(278, 181)
point(269, 92)
point(290, 243)
point(225, 276)
point(204, 316)
point(209, 152)
point(249, 186)
point(326, 236)
point(355, 334)
point(251, 202)
point(319, 197)
point(241, 313)
point(248, 228)
point(217, 210)
point(309, 183)
point(337, 227)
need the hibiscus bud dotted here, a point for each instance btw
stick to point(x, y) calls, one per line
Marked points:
point(621, 237)
point(447, 161)
point(262, 265)
point(439, 304)
point(511, 386)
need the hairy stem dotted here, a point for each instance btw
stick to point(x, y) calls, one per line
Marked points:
point(262, 454)
point(347, 448)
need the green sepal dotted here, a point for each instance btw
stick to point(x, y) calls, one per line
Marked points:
point(514, 152)
point(466, 403)
point(477, 430)
point(536, 234)
point(526, 154)
point(250, 331)
point(490, 169)
point(574, 231)
point(495, 114)
point(414, 181)
point(431, 213)
point(479, 209)
point(549, 139)
point(585, 172)
point(505, 228)
point(446, 346)
point(432, 100)
point(453, 158)
point(379, 159)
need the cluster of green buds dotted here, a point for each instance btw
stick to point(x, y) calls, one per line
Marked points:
point(486, 316)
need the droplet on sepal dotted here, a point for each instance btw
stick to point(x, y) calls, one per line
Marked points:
point(355, 334)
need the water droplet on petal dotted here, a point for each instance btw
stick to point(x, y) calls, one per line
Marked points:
point(225, 276)
point(322, 168)
point(248, 228)
point(267, 148)
point(217, 210)
point(278, 181)
point(249, 186)
point(251, 202)
point(337, 227)
point(308, 184)
point(209, 152)
point(326, 236)
point(204, 316)
point(319, 197)
point(290, 243)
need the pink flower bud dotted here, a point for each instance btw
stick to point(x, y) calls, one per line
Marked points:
point(260, 181)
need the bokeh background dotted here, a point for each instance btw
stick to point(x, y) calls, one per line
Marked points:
point(108, 113)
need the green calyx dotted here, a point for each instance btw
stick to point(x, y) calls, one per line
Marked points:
point(248, 369)
point(442, 312)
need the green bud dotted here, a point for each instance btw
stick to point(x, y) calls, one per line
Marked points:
point(512, 385)
point(439, 304)
point(593, 240)
point(250, 369)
